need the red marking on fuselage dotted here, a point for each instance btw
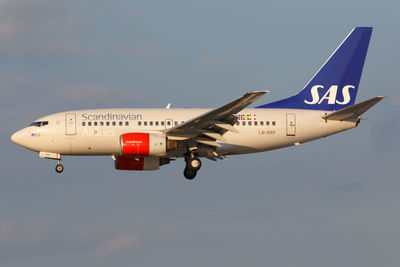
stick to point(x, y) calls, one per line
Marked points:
point(136, 144)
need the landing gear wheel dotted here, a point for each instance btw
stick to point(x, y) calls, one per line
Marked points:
point(59, 168)
point(189, 173)
point(194, 163)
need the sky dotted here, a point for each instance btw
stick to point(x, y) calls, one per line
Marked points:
point(330, 202)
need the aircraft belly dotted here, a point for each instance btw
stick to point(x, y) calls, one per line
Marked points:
point(254, 140)
point(98, 145)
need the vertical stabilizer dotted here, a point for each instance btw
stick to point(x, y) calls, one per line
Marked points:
point(335, 85)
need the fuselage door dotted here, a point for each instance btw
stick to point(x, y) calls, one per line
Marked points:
point(290, 124)
point(70, 124)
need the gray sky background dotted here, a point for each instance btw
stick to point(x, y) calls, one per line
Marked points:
point(331, 202)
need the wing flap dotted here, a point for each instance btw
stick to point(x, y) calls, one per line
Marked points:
point(213, 135)
point(226, 126)
point(220, 114)
point(206, 142)
point(214, 123)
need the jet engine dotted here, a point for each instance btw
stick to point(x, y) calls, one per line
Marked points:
point(143, 144)
point(133, 163)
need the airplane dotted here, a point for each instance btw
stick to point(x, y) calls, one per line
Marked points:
point(145, 139)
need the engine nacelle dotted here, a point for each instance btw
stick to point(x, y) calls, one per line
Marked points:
point(137, 163)
point(143, 144)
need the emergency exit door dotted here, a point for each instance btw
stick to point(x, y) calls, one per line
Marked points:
point(290, 124)
point(70, 123)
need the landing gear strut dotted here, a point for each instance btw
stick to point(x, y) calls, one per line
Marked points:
point(193, 164)
point(51, 155)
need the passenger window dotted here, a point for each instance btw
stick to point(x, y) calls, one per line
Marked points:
point(176, 123)
point(168, 123)
point(243, 123)
point(261, 123)
point(127, 123)
point(89, 123)
point(267, 123)
point(273, 123)
point(139, 123)
point(162, 123)
point(114, 123)
point(95, 123)
point(237, 123)
point(145, 123)
point(249, 123)
point(255, 123)
point(151, 123)
point(156, 123)
point(183, 122)
point(107, 123)
point(83, 123)
point(45, 123)
point(101, 123)
point(120, 123)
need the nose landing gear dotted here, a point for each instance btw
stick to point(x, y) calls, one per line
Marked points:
point(59, 168)
point(56, 156)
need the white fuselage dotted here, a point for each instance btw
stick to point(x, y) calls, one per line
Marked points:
point(98, 131)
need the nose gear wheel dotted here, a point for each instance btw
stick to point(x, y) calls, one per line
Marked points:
point(59, 168)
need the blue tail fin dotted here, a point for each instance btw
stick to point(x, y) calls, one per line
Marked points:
point(335, 85)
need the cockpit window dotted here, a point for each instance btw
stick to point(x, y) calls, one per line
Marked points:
point(39, 123)
point(35, 123)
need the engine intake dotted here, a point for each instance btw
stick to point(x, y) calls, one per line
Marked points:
point(143, 144)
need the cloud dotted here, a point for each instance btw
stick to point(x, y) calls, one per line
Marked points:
point(6, 229)
point(40, 28)
point(30, 239)
point(31, 93)
point(29, 98)
point(210, 62)
point(395, 100)
point(353, 187)
point(120, 243)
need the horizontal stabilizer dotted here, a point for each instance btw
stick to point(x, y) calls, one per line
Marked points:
point(353, 112)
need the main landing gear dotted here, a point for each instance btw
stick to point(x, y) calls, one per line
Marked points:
point(193, 164)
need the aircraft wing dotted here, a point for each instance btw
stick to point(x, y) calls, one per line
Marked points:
point(210, 126)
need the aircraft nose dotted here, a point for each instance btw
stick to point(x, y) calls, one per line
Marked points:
point(17, 137)
point(13, 138)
